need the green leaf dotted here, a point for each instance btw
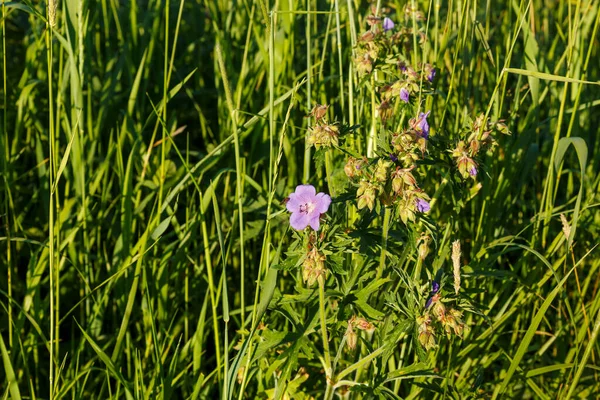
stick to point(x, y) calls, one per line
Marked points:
point(161, 228)
point(13, 386)
point(107, 361)
point(582, 153)
point(548, 77)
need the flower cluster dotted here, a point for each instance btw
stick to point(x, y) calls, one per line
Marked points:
point(437, 319)
point(390, 178)
point(322, 134)
point(405, 87)
point(353, 324)
point(386, 37)
point(478, 137)
point(313, 267)
point(388, 182)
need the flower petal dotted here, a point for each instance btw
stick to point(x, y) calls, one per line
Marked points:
point(299, 220)
point(305, 193)
point(404, 95)
point(388, 24)
point(423, 205)
point(293, 203)
point(322, 202)
point(314, 222)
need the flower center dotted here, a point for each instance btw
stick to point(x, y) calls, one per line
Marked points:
point(307, 208)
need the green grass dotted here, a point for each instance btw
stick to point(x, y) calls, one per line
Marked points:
point(147, 150)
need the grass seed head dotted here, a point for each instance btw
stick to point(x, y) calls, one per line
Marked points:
point(456, 264)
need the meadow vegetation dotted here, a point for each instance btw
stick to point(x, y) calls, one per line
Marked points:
point(299, 199)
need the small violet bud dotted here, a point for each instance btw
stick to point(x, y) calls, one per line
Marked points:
point(423, 125)
point(423, 206)
point(388, 24)
point(433, 296)
point(404, 95)
point(431, 75)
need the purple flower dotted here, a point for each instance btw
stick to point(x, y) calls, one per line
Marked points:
point(393, 157)
point(431, 75)
point(306, 206)
point(473, 171)
point(422, 124)
point(435, 287)
point(423, 206)
point(404, 95)
point(388, 24)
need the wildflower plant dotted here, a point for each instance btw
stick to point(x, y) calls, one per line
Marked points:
point(373, 267)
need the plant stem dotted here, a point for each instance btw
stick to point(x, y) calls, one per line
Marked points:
point(326, 355)
point(307, 159)
point(387, 216)
point(51, 201)
point(5, 165)
point(329, 171)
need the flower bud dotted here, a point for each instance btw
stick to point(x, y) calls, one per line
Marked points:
point(381, 171)
point(448, 322)
point(429, 73)
point(467, 167)
point(427, 338)
point(397, 184)
point(350, 168)
point(422, 205)
point(474, 146)
point(423, 321)
point(502, 128)
point(385, 110)
point(388, 24)
point(364, 64)
point(426, 332)
point(373, 20)
point(363, 324)
point(313, 267)
point(406, 209)
point(366, 195)
point(366, 37)
point(354, 167)
point(319, 111)
point(323, 135)
point(478, 123)
point(351, 338)
point(404, 95)
point(458, 324)
point(438, 309)
point(423, 245)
